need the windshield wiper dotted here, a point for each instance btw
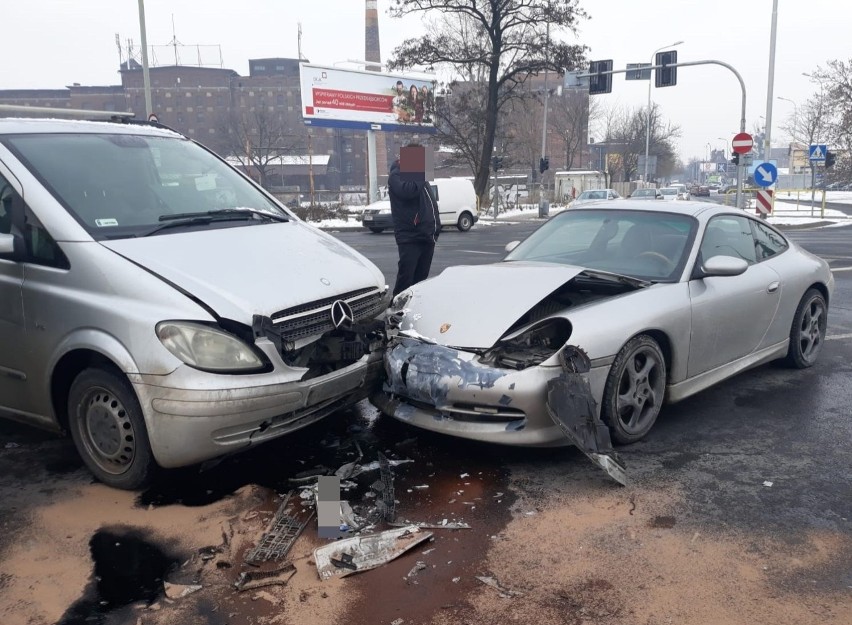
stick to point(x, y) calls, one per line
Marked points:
point(225, 214)
point(248, 212)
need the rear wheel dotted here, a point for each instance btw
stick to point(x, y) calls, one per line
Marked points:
point(465, 222)
point(807, 333)
point(108, 429)
point(634, 391)
point(377, 230)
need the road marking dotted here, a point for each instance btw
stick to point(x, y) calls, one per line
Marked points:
point(841, 269)
point(839, 337)
point(479, 252)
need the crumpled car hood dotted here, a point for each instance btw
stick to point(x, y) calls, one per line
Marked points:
point(258, 269)
point(473, 306)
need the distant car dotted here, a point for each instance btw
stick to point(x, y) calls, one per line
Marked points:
point(670, 193)
point(377, 216)
point(646, 194)
point(682, 191)
point(593, 195)
point(701, 190)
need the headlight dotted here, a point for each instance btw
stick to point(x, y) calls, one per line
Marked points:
point(530, 347)
point(400, 301)
point(384, 211)
point(208, 348)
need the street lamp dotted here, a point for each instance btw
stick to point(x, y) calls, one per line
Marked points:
point(648, 120)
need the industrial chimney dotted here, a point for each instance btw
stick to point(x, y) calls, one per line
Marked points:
point(372, 50)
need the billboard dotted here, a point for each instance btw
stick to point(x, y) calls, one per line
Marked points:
point(345, 98)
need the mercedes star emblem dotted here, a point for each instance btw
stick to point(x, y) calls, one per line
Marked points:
point(341, 314)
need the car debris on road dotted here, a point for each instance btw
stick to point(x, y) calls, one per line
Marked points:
point(362, 553)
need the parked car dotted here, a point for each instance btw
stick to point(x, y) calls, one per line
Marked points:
point(670, 193)
point(701, 191)
point(682, 191)
point(594, 195)
point(649, 193)
point(645, 303)
point(161, 307)
point(457, 206)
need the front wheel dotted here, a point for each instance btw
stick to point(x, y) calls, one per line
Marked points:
point(108, 429)
point(634, 390)
point(807, 333)
point(465, 222)
point(377, 230)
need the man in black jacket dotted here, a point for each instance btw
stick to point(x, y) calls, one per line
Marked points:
point(416, 224)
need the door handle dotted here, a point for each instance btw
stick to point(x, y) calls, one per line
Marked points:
point(773, 287)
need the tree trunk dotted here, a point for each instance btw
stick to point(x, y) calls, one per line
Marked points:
point(480, 182)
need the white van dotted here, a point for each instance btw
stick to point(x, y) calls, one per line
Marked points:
point(457, 205)
point(457, 202)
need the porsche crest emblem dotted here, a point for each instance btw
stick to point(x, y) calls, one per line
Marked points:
point(444, 327)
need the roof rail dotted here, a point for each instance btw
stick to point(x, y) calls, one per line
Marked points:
point(58, 112)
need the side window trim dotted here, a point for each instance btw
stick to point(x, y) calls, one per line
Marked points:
point(754, 223)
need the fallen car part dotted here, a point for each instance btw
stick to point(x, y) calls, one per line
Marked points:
point(374, 466)
point(457, 525)
point(249, 580)
point(362, 553)
point(383, 487)
point(348, 470)
point(279, 537)
point(179, 591)
point(504, 592)
point(571, 406)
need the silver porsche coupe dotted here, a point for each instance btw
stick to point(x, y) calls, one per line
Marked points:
point(639, 304)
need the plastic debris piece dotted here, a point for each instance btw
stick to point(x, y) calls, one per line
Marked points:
point(456, 580)
point(421, 486)
point(502, 590)
point(384, 488)
point(362, 553)
point(397, 621)
point(179, 591)
point(249, 580)
point(768, 484)
point(464, 475)
point(12, 445)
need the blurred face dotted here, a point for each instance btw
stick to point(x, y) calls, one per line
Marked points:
point(399, 88)
point(413, 92)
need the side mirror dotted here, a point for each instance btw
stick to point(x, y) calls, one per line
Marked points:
point(512, 245)
point(724, 266)
point(7, 244)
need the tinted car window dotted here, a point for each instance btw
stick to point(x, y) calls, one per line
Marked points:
point(767, 242)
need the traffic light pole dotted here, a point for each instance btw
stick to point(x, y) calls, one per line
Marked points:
point(740, 167)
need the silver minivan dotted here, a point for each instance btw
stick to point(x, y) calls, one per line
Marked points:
point(161, 307)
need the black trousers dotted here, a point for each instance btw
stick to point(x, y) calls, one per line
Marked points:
point(415, 259)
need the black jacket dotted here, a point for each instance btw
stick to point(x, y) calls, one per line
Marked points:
point(414, 209)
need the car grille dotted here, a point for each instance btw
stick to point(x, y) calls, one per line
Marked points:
point(314, 318)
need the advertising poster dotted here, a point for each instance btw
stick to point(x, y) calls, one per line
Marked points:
point(343, 98)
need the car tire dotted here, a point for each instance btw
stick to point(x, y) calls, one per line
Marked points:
point(465, 222)
point(634, 390)
point(108, 429)
point(807, 334)
point(377, 230)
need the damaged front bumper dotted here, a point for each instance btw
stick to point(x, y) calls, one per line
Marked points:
point(446, 390)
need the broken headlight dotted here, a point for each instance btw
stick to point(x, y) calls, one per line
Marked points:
point(529, 347)
point(208, 348)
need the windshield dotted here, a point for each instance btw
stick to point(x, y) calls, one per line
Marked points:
point(668, 191)
point(592, 195)
point(648, 245)
point(119, 185)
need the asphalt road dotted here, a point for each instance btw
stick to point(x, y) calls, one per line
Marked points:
point(759, 464)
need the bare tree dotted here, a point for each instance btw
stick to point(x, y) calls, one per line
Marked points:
point(258, 136)
point(573, 112)
point(624, 132)
point(495, 44)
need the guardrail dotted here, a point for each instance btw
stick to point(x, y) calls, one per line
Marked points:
point(787, 194)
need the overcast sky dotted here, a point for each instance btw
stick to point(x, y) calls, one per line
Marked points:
point(53, 43)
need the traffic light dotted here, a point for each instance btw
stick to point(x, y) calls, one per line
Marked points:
point(735, 159)
point(830, 157)
point(599, 82)
point(496, 162)
point(543, 164)
point(666, 76)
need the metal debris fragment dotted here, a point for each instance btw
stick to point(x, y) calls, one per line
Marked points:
point(179, 591)
point(571, 406)
point(362, 553)
point(249, 580)
point(385, 501)
point(279, 537)
point(444, 525)
point(502, 590)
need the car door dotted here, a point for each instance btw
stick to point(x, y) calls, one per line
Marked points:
point(12, 328)
point(730, 314)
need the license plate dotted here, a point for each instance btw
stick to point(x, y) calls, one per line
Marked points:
point(368, 218)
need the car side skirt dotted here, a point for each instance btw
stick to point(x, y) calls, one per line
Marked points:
point(691, 386)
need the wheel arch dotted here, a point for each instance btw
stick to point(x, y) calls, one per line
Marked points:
point(87, 349)
point(822, 288)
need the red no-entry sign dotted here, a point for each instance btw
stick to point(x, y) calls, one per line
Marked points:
point(742, 143)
